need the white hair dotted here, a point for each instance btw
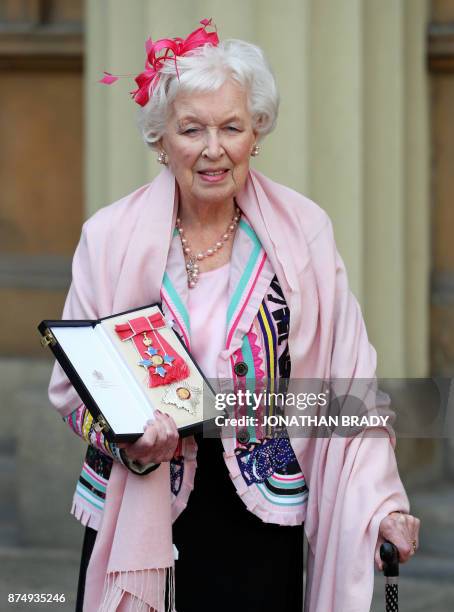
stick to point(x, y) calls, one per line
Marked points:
point(208, 68)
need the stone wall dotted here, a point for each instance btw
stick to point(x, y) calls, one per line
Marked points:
point(40, 460)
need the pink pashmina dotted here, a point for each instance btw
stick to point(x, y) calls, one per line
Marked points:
point(353, 482)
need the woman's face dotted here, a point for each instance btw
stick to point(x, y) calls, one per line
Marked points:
point(208, 140)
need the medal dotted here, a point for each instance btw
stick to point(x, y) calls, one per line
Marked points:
point(156, 361)
point(163, 364)
point(182, 395)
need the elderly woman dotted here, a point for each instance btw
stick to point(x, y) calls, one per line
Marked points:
point(247, 272)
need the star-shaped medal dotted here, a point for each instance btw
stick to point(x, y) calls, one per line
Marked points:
point(182, 395)
point(156, 361)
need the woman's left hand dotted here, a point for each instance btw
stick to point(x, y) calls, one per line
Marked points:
point(403, 531)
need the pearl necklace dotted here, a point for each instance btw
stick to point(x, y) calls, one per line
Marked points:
point(192, 267)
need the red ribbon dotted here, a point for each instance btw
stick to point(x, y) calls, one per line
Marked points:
point(171, 48)
point(163, 363)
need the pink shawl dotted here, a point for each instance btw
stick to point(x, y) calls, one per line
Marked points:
point(353, 482)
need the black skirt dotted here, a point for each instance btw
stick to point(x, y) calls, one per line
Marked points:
point(229, 560)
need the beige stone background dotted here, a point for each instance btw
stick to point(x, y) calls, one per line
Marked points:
point(364, 130)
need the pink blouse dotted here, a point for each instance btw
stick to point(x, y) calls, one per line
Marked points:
point(207, 307)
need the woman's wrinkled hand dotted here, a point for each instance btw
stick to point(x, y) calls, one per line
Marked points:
point(403, 531)
point(158, 442)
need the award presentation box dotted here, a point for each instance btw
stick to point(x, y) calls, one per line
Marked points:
point(125, 366)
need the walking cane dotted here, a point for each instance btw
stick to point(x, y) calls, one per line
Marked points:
point(390, 557)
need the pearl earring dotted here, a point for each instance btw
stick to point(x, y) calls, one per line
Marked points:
point(255, 150)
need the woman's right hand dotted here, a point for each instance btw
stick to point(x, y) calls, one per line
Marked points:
point(158, 442)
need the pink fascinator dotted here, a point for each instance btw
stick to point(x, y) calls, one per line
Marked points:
point(168, 49)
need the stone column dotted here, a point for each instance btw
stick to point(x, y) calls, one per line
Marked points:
point(384, 188)
point(335, 104)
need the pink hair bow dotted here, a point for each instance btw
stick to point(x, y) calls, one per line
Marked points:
point(171, 48)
